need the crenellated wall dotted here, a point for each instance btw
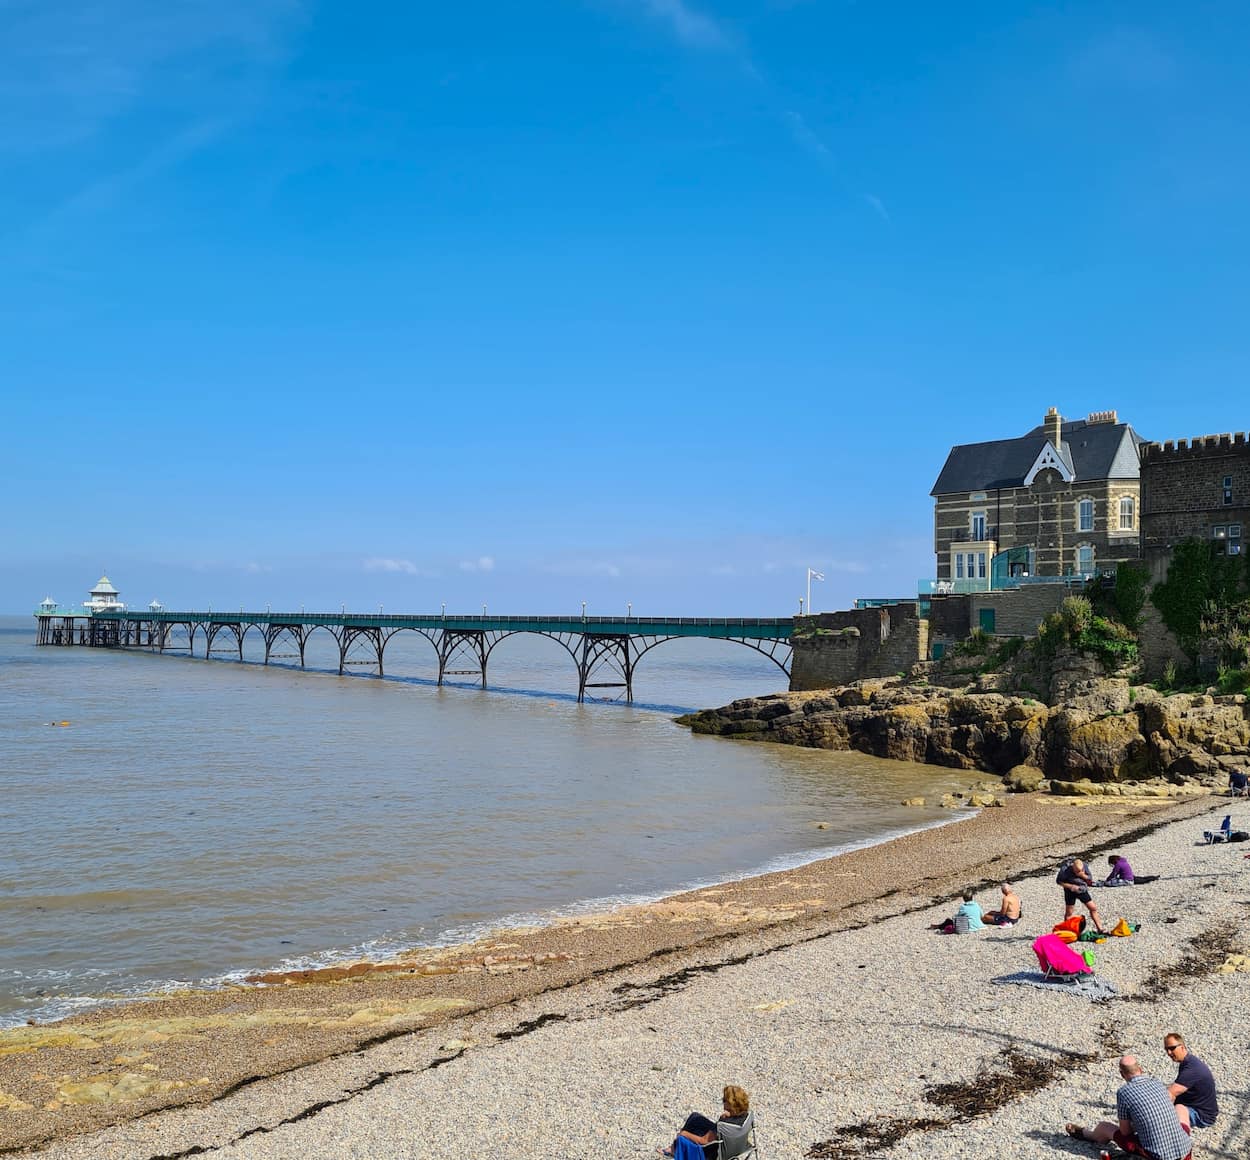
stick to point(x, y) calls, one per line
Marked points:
point(1183, 495)
point(836, 648)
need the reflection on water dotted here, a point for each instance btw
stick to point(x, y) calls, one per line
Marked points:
point(202, 817)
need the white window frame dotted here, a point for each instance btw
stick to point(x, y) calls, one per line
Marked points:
point(1127, 501)
point(977, 533)
point(1081, 506)
point(980, 565)
point(1081, 548)
point(959, 565)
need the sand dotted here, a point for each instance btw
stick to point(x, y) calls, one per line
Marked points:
point(821, 990)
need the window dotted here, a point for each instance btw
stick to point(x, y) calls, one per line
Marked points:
point(1219, 532)
point(1234, 539)
point(1085, 559)
point(1228, 490)
point(1085, 517)
point(1126, 513)
point(959, 565)
point(980, 565)
point(978, 526)
point(972, 565)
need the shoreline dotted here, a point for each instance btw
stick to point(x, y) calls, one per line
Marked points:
point(121, 1064)
point(464, 939)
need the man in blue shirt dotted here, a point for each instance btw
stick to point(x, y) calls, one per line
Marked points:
point(1194, 1089)
point(1148, 1124)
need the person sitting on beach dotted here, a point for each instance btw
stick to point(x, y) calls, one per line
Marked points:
point(1193, 1091)
point(1008, 912)
point(700, 1130)
point(1122, 873)
point(1075, 879)
point(1238, 784)
point(972, 909)
point(1149, 1125)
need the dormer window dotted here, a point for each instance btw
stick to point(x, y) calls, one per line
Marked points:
point(1085, 516)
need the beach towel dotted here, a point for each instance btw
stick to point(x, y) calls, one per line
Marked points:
point(1089, 987)
point(686, 1149)
point(1054, 956)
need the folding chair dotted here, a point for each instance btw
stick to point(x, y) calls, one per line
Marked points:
point(1056, 960)
point(737, 1141)
point(1220, 835)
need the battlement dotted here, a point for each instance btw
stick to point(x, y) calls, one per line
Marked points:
point(1195, 448)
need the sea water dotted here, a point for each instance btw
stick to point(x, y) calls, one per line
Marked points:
point(171, 821)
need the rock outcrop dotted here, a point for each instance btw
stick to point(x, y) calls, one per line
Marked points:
point(1103, 734)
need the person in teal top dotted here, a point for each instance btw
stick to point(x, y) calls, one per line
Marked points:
point(972, 909)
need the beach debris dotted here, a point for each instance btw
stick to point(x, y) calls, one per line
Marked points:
point(912, 801)
point(1234, 963)
point(10, 1103)
point(778, 1005)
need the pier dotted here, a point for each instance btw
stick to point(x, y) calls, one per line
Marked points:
point(605, 650)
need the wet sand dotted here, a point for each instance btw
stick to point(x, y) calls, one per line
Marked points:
point(61, 1081)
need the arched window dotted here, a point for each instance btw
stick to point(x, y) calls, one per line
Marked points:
point(1085, 516)
point(1126, 513)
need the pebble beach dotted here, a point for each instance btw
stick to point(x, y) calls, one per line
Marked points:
point(857, 1030)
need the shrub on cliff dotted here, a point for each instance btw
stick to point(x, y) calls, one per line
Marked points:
point(1197, 579)
point(1076, 626)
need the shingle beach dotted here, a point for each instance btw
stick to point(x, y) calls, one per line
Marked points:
point(821, 990)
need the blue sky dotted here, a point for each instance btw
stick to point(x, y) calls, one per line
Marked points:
point(654, 301)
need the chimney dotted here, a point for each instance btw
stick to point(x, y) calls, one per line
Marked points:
point(1052, 427)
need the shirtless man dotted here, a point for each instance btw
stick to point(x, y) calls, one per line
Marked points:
point(1008, 912)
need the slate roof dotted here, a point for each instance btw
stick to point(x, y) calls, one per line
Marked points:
point(1091, 450)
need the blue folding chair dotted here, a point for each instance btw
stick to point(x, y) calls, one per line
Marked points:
point(1220, 835)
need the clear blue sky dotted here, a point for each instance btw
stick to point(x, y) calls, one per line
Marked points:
point(658, 301)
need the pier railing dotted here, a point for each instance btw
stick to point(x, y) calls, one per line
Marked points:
point(601, 646)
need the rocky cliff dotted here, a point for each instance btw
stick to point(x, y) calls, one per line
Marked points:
point(1098, 736)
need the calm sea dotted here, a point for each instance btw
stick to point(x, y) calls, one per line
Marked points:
point(196, 820)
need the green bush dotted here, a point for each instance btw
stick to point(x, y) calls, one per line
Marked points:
point(1197, 580)
point(1129, 595)
point(1233, 680)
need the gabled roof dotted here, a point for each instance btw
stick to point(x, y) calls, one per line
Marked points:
point(1093, 451)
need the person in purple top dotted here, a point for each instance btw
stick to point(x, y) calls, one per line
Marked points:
point(1122, 873)
point(1193, 1091)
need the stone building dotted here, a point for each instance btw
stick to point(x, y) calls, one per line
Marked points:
point(1194, 488)
point(1060, 500)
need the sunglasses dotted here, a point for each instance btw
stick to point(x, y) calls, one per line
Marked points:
point(1171, 1047)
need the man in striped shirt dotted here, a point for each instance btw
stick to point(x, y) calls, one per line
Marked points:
point(1148, 1125)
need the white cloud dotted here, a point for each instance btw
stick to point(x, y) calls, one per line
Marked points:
point(68, 67)
point(583, 568)
point(878, 205)
point(388, 564)
point(481, 564)
point(254, 568)
point(690, 26)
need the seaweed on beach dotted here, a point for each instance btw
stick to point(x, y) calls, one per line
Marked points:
point(1203, 954)
point(1010, 1076)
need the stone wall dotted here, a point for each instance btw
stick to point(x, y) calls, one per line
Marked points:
point(1157, 645)
point(835, 648)
point(1183, 494)
point(1018, 611)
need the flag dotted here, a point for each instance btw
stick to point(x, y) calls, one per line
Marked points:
point(812, 574)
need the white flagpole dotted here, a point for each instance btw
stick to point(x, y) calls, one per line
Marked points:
point(811, 573)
